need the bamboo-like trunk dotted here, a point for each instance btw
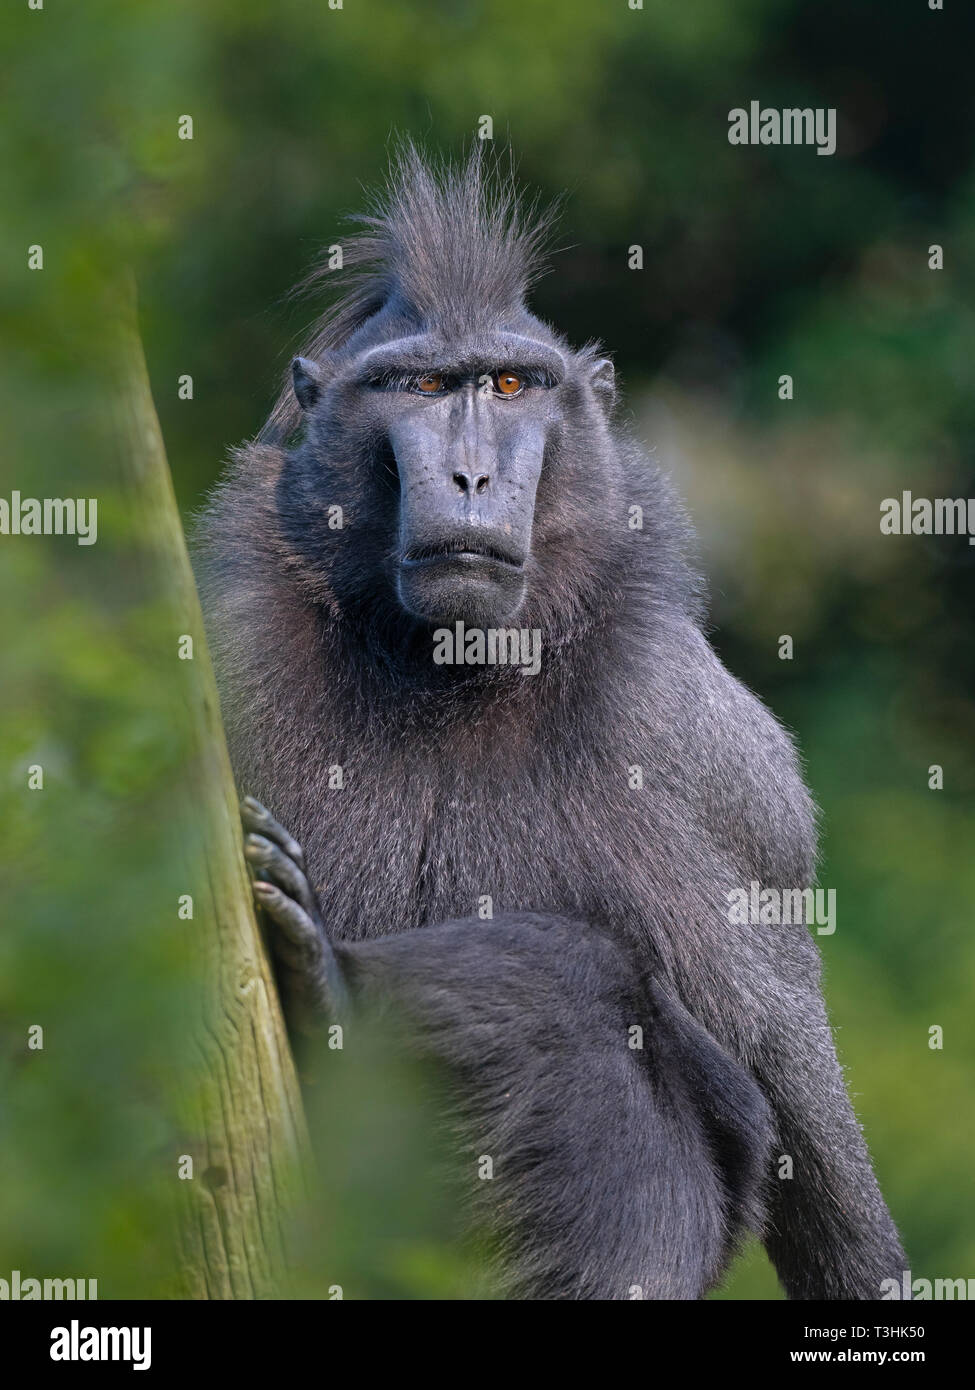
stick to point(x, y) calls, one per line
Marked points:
point(250, 1146)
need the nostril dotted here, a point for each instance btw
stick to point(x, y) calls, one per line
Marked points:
point(473, 484)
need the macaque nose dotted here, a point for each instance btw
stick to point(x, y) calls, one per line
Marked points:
point(471, 484)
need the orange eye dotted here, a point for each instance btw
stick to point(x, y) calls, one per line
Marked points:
point(507, 384)
point(430, 384)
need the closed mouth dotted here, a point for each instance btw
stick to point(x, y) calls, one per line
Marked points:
point(463, 552)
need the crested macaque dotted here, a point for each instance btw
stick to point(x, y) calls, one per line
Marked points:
point(536, 866)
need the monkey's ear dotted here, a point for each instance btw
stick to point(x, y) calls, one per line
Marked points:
point(308, 380)
point(602, 379)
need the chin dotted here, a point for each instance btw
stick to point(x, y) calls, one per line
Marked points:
point(442, 598)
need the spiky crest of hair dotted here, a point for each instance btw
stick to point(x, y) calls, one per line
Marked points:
point(443, 245)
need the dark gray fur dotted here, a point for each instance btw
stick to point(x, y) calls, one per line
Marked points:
point(614, 1168)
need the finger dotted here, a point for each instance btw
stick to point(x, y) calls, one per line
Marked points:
point(306, 950)
point(299, 929)
point(258, 820)
point(274, 865)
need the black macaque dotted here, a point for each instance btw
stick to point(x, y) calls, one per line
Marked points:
point(536, 866)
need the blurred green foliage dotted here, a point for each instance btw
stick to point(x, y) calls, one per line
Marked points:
point(757, 262)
